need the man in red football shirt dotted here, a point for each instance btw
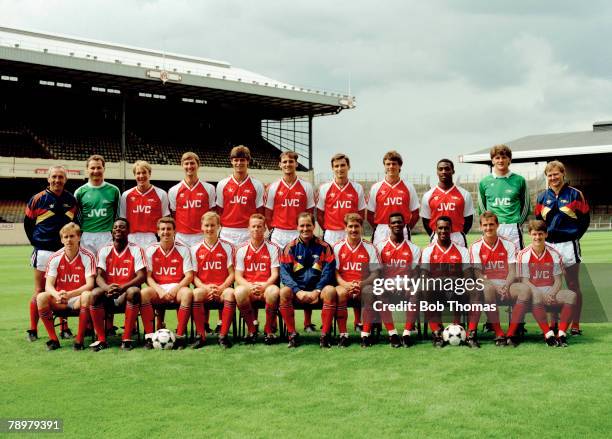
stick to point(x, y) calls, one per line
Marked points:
point(448, 199)
point(189, 200)
point(393, 194)
point(143, 205)
point(356, 269)
point(121, 272)
point(238, 197)
point(286, 199)
point(446, 260)
point(399, 257)
point(337, 198)
point(494, 260)
point(69, 281)
point(540, 269)
point(257, 274)
point(213, 263)
point(169, 274)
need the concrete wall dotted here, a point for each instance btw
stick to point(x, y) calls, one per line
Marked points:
point(13, 234)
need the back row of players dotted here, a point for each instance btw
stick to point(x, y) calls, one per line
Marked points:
point(237, 197)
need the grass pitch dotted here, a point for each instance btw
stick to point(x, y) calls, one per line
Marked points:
point(263, 391)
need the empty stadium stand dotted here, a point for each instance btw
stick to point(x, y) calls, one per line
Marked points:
point(12, 211)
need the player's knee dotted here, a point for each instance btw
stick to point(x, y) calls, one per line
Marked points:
point(200, 295)
point(133, 295)
point(286, 295)
point(272, 294)
point(228, 295)
point(567, 297)
point(241, 293)
point(329, 294)
point(42, 299)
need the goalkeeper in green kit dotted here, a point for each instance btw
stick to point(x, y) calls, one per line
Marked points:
point(506, 195)
point(98, 203)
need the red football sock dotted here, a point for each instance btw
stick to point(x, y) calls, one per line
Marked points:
point(183, 314)
point(47, 318)
point(288, 314)
point(473, 319)
point(411, 317)
point(366, 317)
point(206, 315)
point(97, 316)
point(434, 320)
point(341, 317)
point(246, 312)
point(307, 317)
point(327, 314)
point(270, 318)
point(227, 317)
point(518, 312)
point(493, 318)
point(566, 317)
point(83, 320)
point(148, 316)
point(539, 314)
point(577, 311)
point(199, 317)
point(33, 314)
point(387, 318)
point(131, 314)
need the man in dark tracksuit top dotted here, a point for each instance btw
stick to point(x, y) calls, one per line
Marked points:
point(566, 214)
point(308, 272)
point(46, 213)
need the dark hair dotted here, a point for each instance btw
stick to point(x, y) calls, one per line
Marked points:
point(449, 161)
point(400, 214)
point(444, 218)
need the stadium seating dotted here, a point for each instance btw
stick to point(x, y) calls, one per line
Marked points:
point(16, 143)
point(12, 211)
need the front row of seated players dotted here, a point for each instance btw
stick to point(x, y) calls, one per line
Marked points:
point(307, 269)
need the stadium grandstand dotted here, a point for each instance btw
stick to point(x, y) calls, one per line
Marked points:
point(63, 99)
point(585, 154)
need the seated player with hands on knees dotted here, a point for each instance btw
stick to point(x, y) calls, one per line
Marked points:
point(540, 268)
point(121, 272)
point(356, 268)
point(213, 262)
point(169, 274)
point(70, 279)
point(308, 273)
point(257, 275)
point(494, 260)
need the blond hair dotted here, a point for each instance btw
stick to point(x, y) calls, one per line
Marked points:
point(141, 164)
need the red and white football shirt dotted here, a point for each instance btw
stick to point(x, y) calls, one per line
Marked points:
point(353, 264)
point(190, 203)
point(493, 260)
point(288, 201)
point(239, 200)
point(386, 199)
point(121, 268)
point(171, 267)
point(71, 274)
point(143, 210)
point(256, 263)
point(539, 270)
point(445, 262)
point(336, 202)
point(398, 259)
point(456, 203)
point(211, 264)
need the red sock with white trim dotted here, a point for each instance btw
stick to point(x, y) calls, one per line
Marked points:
point(183, 314)
point(227, 316)
point(131, 314)
point(148, 316)
point(33, 314)
point(98, 315)
point(327, 315)
point(199, 317)
point(46, 315)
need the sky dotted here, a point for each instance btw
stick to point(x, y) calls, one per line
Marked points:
point(432, 79)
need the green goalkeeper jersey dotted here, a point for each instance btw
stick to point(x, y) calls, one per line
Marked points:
point(98, 206)
point(507, 197)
